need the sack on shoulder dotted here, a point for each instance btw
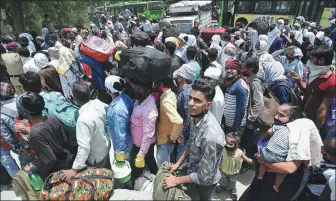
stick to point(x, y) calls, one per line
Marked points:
point(22, 188)
point(265, 118)
point(88, 184)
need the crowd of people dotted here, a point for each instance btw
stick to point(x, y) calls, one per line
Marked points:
point(206, 118)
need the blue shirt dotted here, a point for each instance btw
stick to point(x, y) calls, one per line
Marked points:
point(118, 122)
point(183, 110)
point(96, 66)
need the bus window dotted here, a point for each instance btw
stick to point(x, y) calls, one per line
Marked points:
point(285, 7)
point(243, 7)
point(263, 6)
point(155, 6)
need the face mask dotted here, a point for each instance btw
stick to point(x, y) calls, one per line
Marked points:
point(277, 122)
point(230, 148)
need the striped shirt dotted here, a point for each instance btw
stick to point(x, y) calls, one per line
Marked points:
point(279, 142)
point(236, 100)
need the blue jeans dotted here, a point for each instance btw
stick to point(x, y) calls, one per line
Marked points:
point(25, 159)
point(270, 156)
point(8, 162)
point(163, 153)
point(180, 151)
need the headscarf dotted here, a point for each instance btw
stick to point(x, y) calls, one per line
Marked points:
point(186, 71)
point(263, 37)
point(298, 36)
point(213, 73)
point(272, 36)
point(216, 39)
point(53, 53)
point(41, 60)
point(234, 63)
point(298, 52)
point(316, 71)
point(65, 60)
point(182, 37)
point(320, 35)
point(172, 39)
point(311, 37)
point(274, 72)
point(11, 46)
point(115, 83)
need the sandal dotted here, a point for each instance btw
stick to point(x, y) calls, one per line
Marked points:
point(219, 189)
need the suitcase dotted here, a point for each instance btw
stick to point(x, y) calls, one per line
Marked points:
point(208, 32)
point(97, 48)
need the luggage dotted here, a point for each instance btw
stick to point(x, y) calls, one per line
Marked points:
point(97, 48)
point(88, 184)
point(22, 188)
point(66, 112)
point(265, 118)
point(139, 38)
point(144, 64)
point(260, 26)
point(145, 182)
point(208, 32)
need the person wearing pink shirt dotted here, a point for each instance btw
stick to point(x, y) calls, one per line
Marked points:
point(143, 121)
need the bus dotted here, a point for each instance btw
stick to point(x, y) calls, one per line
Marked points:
point(152, 9)
point(271, 11)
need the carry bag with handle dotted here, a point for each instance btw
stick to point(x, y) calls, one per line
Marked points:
point(22, 188)
point(97, 48)
point(67, 113)
point(145, 182)
point(88, 184)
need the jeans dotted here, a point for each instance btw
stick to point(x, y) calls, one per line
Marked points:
point(271, 157)
point(205, 192)
point(8, 162)
point(180, 150)
point(163, 153)
point(25, 159)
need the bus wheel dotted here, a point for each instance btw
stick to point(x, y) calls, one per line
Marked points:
point(242, 20)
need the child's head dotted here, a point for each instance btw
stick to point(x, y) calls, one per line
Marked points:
point(287, 113)
point(329, 150)
point(232, 141)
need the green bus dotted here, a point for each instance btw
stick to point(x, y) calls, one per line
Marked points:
point(152, 9)
point(271, 10)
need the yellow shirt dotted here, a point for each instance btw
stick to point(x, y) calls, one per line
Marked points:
point(13, 63)
point(170, 123)
point(231, 164)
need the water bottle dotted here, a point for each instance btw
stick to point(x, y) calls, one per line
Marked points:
point(35, 181)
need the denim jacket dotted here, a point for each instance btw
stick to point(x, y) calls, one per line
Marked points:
point(7, 131)
point(118, 122)
point(182, 109)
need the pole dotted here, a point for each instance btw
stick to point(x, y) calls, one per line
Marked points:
point(222, 13)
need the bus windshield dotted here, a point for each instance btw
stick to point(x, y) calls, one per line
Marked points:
point(155, 5)
point(183, 25)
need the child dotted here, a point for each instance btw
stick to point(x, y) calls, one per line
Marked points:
point(277, 147)
point(232, 159)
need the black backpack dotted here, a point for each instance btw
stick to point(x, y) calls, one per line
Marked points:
point(294, 98)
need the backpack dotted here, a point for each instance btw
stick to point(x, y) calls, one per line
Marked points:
point(67, 113)
point(294, 98)
point(88, 184)
point(22, 188)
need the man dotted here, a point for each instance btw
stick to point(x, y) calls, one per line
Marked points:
point(321, 86)
point(146, 25)
point(40, 41)
point(47, 137)
point(205, 146)
point(28, 62)
point(200, 42)
point(212, 76)
point(183, 78)
point(170, 123)
point(321, 39)
point(143, 121)
point(236, 95)
point(251, 68)
point(118, 118)
point(212, 55)
point(182, 49)
point(170, 49)
point(14, 66)
point(191, 53)
point(92, 139)
point(46, 23)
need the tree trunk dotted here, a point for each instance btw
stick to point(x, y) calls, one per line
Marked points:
point(16, 16)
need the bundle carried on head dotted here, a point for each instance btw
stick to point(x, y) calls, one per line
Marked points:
point(260, 26)
point(171, 30)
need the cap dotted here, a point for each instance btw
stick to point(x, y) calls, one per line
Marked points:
point(115, 83)
point(11, 45)
point(213, 73)
point(186, 71)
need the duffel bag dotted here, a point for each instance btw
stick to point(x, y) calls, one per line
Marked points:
point(22, 188)
point(97, 48)
point(144, 64)
point(88, 184)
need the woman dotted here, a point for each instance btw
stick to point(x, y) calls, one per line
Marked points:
point(304, 145)
point(274, 41)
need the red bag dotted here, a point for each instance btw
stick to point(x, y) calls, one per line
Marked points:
point(208, 32)
point(97, 48)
